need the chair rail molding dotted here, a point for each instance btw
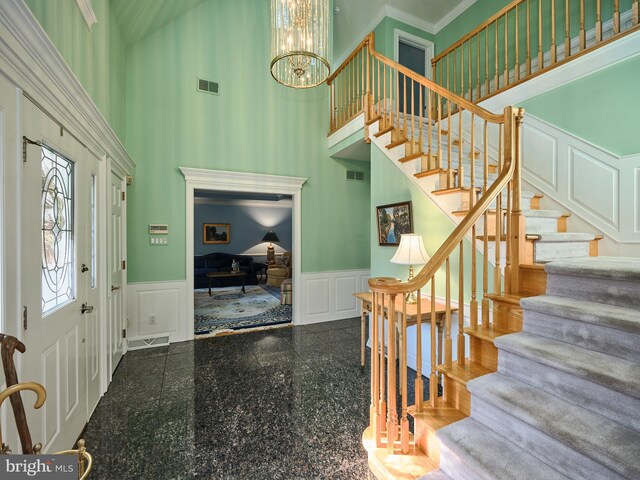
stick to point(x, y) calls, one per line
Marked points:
point(29, 59)
point(221, 180)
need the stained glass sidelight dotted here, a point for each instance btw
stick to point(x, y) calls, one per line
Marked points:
point(58, 283)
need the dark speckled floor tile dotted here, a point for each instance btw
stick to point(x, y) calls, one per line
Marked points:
point(283, 404)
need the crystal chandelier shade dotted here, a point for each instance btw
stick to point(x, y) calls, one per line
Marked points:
point(299, 42)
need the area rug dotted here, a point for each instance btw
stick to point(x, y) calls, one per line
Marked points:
point(229, 309)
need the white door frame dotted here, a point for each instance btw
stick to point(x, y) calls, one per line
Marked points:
point(203, 179)
point(406, 37)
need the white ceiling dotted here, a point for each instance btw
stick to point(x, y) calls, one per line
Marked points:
point(357, 17)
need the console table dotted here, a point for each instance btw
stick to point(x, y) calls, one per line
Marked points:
point(412, 318)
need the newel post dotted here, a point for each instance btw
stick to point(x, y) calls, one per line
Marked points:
point(513, 151)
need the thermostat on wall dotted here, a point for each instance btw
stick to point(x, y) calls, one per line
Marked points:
point(158, 229)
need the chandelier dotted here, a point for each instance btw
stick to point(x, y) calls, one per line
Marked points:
point(299, 42)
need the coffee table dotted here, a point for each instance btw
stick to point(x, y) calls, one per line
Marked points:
point(220, 275)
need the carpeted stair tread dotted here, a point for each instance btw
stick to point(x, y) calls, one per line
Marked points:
point(619, 318)
point(435, 475)
point(613, 372)
point(542, 213)
point(491, 456)
point(598, 438)
point(614, 268)
point(559, 237)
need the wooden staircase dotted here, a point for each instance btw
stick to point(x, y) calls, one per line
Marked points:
point(467, 160)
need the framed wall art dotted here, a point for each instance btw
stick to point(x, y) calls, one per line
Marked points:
point(216, 233)
point(393, 221)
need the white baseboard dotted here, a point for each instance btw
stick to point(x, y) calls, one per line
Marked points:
point(156, 309)
point(327, 296)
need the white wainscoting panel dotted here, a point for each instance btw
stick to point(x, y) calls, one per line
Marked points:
point(157, 309)
point(329, 295)
point(595, 185)
point(541, 156)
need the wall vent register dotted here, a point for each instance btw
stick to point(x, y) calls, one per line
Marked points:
point(354, 175)
point(208, 86)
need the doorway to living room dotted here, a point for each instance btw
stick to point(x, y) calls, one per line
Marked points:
point(242, 245)
point(237, 183)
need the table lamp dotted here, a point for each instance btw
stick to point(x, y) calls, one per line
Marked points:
point(411, 252)
point(271, 237)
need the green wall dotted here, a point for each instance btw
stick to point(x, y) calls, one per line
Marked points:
point(607, 116)
point(96, 56)
point(384, 35)
point(254, 125)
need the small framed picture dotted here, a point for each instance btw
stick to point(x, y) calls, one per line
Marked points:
point(215, 233)
point(393, 221)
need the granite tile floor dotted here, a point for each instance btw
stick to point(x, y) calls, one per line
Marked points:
point(288, 403)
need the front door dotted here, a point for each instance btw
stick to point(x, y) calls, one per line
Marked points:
point(57, 266)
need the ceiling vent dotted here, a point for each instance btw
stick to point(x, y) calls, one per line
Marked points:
point(353, 175)
point(207, 86)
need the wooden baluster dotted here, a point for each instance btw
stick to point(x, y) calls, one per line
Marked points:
point(598, 22)
point(496, 80)
point(382, 408)
point(506, 49)
point(404, 103)
point(485, 236)
point(553, 32)
point(429, 152)
point(395, 89)
point(450, 182)
point(350, 91)
point(507, 263)
point(455, 75)
point(387, 98)
point(419, 384)
point(374, 322)
point(461, 346)
point(497, 273)
point(448, 347)
point(567, 30)
point(460, 145)
point(540, 54)
point(420, 126)
point(486, 62)
point(616, 17)
point(473, 305)
point(433, 376)
point(413, 138)
point(439, 140)
point(478, 91)
point(470, 74)
point(528, 60)
point(392, 413)
point(634, 12)
point(583, 34)
point(404, 420)
point(516, 63)
point(380, 110)
point(332, 121)
point(462, 94)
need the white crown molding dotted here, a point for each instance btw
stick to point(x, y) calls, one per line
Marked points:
point(404, 17)
point(452, 15)
point(29, 59)
point(87, 12)
point(243, 182)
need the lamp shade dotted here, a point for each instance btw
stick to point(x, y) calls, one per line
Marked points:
point(411, 250)
point(270, 236)
point(300, 42)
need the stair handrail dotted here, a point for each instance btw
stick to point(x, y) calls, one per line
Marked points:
point(507, 49)
point(512, 119)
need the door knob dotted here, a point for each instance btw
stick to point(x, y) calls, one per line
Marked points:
point(84, 268)
point(86, 308)
point(114, 288)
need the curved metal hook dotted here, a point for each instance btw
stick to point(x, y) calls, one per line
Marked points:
point(33, 386)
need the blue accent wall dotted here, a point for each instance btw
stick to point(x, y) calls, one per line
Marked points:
point(248, 224)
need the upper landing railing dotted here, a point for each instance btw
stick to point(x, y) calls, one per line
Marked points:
point(527, 38)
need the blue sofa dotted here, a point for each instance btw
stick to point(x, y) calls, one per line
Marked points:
point(221, 262)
